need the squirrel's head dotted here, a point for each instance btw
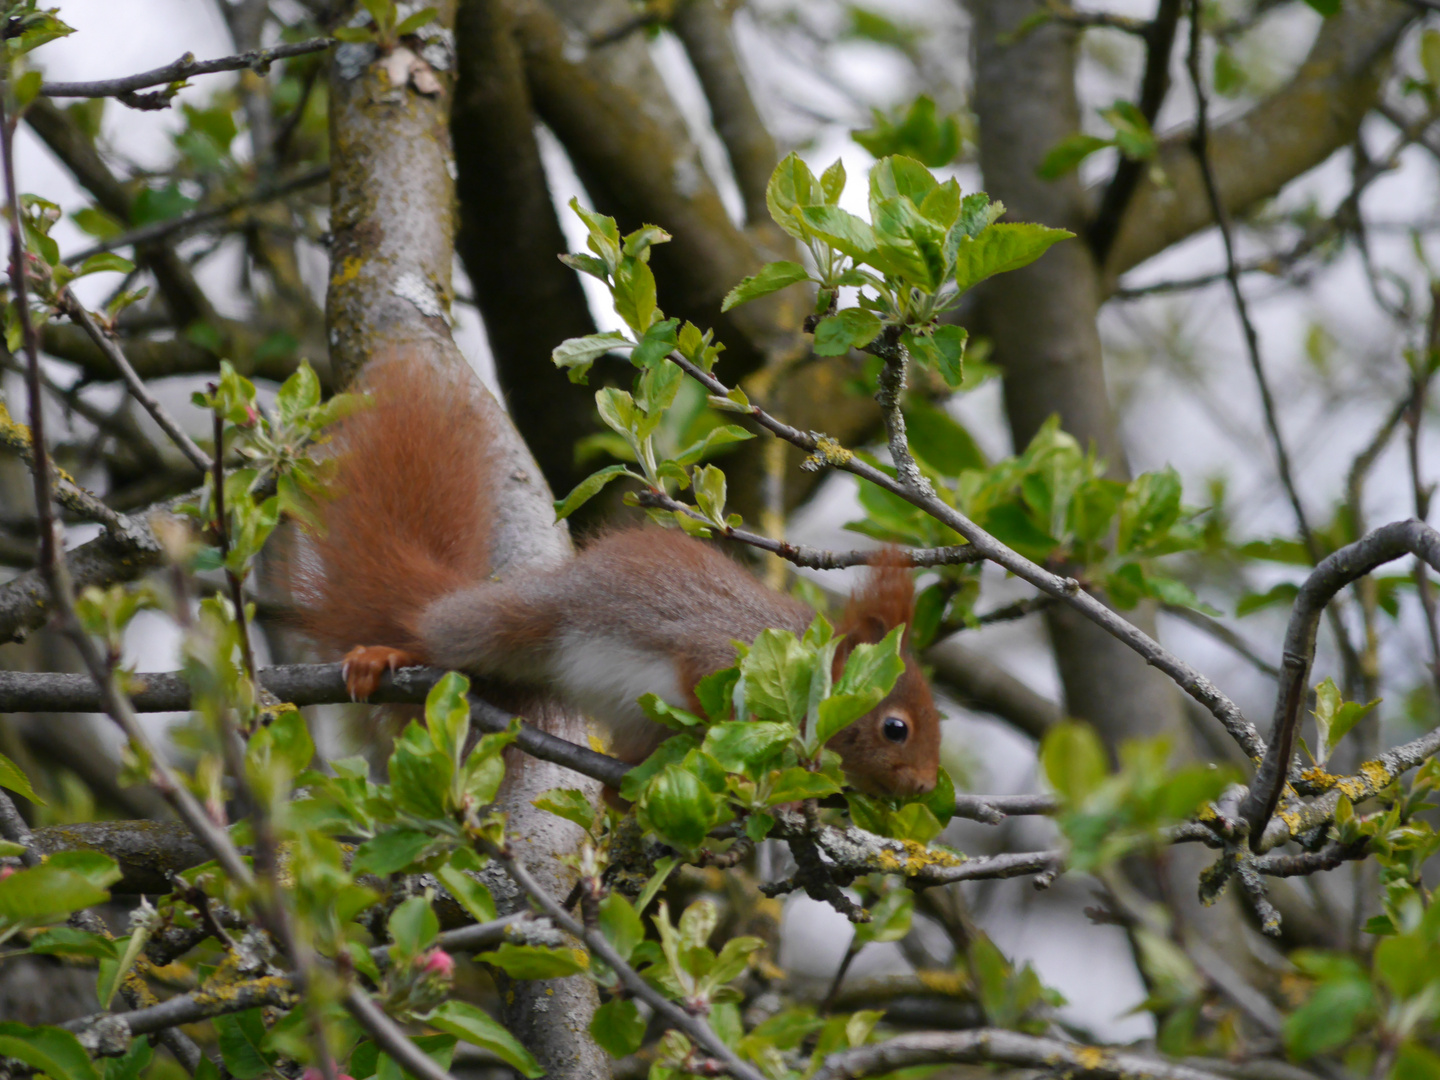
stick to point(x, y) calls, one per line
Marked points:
point(894, 749)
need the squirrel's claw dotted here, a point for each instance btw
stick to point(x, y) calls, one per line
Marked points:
point(365, 665)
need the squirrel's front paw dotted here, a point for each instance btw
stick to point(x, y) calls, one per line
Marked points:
point(364, 666)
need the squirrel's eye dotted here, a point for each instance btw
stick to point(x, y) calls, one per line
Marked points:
point(895, 729)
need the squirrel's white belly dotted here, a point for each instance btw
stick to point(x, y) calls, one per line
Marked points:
point(604, 676)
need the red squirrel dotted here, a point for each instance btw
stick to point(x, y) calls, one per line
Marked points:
point(398, 573)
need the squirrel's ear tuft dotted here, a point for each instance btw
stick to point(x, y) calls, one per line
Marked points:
point(884, 600)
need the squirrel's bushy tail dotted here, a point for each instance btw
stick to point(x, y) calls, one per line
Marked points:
point(408, 520)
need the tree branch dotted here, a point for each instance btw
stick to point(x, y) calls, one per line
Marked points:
point(299, 684)
point(257, 60)
point(996, 1046)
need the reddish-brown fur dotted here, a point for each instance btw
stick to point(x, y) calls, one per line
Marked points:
point(400, 574)
point(885, 600)
point(410, 518)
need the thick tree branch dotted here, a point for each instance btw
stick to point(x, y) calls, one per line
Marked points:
point(299, 684)
point(1257, 154)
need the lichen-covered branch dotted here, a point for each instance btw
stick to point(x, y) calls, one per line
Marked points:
point(1000, 1047)
point(1385, 544)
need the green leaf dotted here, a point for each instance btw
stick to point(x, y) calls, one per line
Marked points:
point(716, 437)
point(621, 925)
point(889, 919)
point(898, 176)
point(604, 238)
point(1334, 717)
point(796, 784)
point(1132, 131)
point(792, 186)
point(67, 881)
point(771, 278)
point(941, 441)
point(578, 354)
point(920, 134)
point(1001, 248)
point(587, 489)
point(1325, 7)
point(657, 343)
point(240, 1036)
point(390, 852)
point(634, 294)
point(656, 882)
point(412, 927)
point(1329, 1019)
point(679, 807)
point(11, 777)
point(49, 1050)
point(942, 349)
point(746, 745)
point(873, 667)
point(835, 335)
point(104, 261)
point(131, 1064)
point(832, 181)
point(618, 1027)
point(777, 674)
point(69, 941)
point(473, 895)
point(1066, 155)
point(466, 1022)
point(568, 803)
point(1073, 759)
point(842, 230)
point(423, 17)
point(1283, 593)
point(97, 223)
point(537, 961)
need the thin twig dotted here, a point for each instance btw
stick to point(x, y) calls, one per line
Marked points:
point(14, 828)
point(390, 1038)
point(76, 310)
point(1223, 634)
point(256, 60)
point(177, 227)
point(803, 554)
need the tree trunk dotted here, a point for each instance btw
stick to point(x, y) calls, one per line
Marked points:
point(393, 217)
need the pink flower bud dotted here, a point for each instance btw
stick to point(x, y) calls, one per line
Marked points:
point(6, 871)
point(437, 962)
point(312, 1073)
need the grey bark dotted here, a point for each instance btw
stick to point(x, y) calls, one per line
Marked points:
point(393, 201)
